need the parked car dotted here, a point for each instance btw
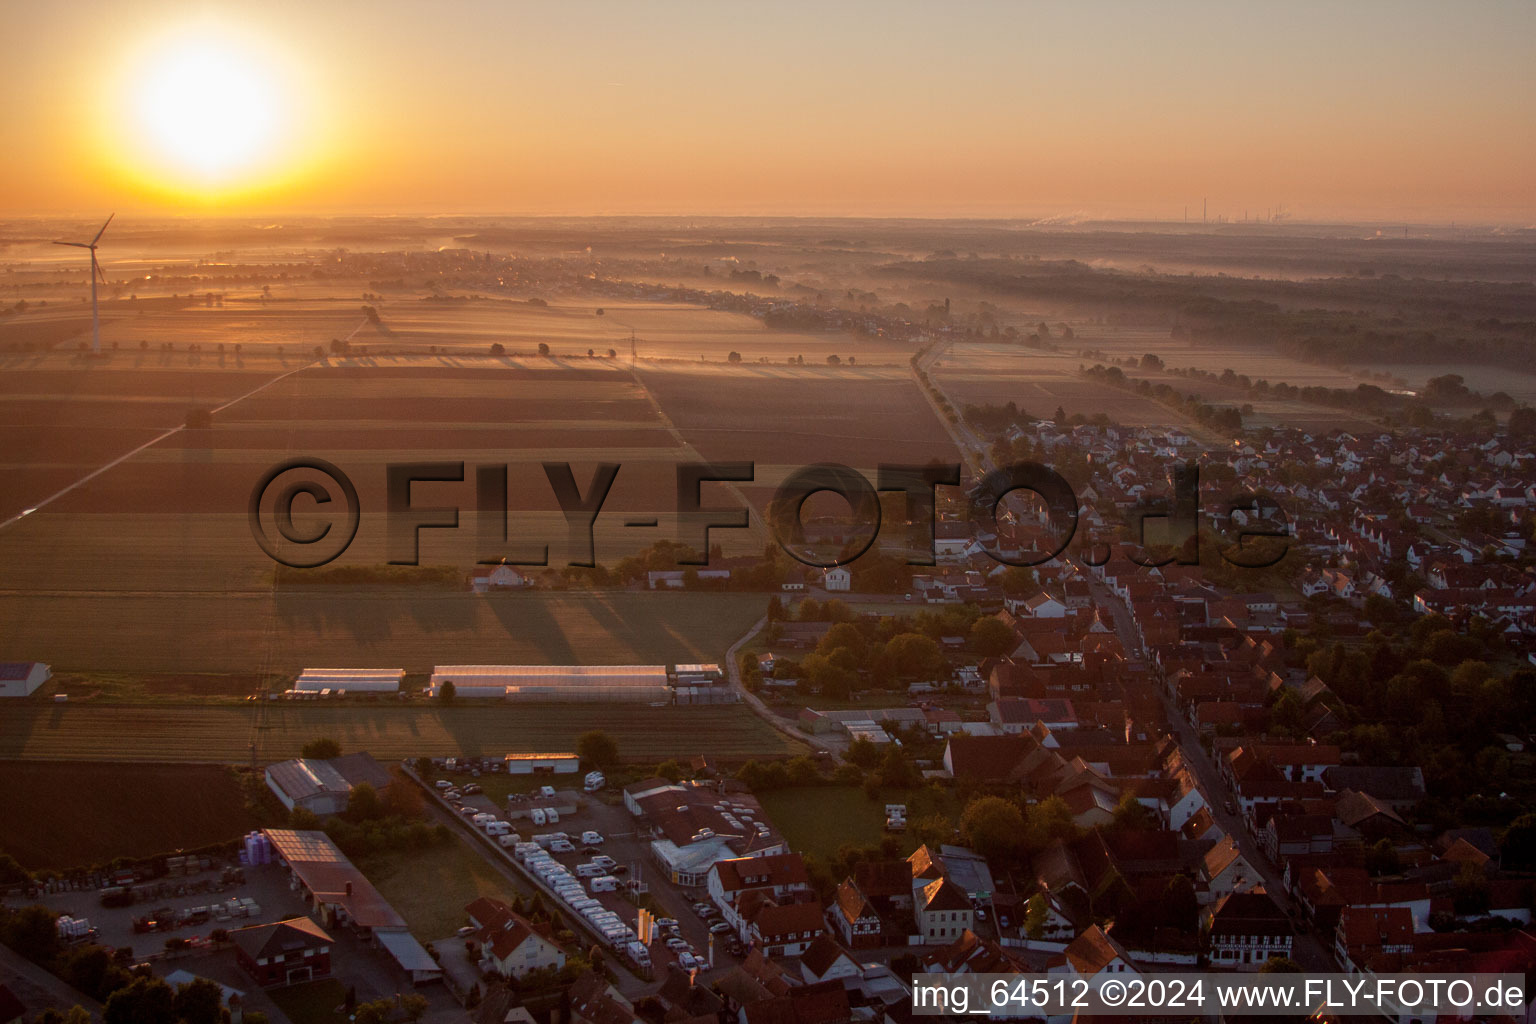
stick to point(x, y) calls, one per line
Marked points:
point(443, 784)
point(666, 922)
point(720, 928)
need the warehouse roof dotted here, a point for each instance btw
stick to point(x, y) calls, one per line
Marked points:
point(642, 675)
point(326, 872)
point(350, 678)
point(10, 670)
point(305, 777)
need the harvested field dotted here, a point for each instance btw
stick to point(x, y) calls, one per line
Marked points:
point(225, 733)
point(61, 815)
point(785, 420)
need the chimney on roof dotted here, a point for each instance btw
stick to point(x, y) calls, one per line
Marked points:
point(349, 888)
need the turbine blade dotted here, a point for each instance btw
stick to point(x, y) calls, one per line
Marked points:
point(103, 230)
point(77, 245)
point(97, 267)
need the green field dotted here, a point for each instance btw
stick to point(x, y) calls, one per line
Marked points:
point(430, 889)
point(225, 733)
point(315, 1002)
point(61, 815)
point(817, 820)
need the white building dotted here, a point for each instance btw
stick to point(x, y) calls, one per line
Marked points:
point(837, 578)
point(22, 678)
point(350, 680)
point(537, 764)
point(324, 787)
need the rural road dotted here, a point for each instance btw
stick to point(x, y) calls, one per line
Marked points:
point(93, 474)
point(733, 667)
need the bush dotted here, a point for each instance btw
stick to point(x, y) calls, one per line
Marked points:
point(322, 749)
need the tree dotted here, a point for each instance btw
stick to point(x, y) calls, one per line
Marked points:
point(11, 871)
point(91, 970)
point(992, 637)
point(543, 348)
point(446, 692)
point(415, 1007)
point(863, 753)
point(498, 349)
point(1036, 912)
point(597, 748)
point(1132, 815)
point(1049, 819)
point(734, 357)
point(144, 1001)
point(76, 1015)
point(425, 768)
point(32, 932)
point(1280, 965)
point(993, 827)
point(376, 1012)
point(199, 1002)
point(895, 770)
point(322, 749)
point(364, 803)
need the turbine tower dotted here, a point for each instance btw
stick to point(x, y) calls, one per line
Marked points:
point(95, 273)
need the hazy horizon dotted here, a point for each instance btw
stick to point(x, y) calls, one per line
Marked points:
point(1370, 114)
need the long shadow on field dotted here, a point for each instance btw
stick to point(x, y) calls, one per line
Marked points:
point(531, 622)
point(373, 617)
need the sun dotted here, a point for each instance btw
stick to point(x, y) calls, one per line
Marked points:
point(208, 111)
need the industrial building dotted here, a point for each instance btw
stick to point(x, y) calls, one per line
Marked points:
point(539, 764)
point(701, 684)
point(350, 680)
point(342, 896)
point(597, 683)
point(22, 678)
point(324, 787)
point(696, 826)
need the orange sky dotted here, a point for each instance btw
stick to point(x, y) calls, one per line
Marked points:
point(1389, 111)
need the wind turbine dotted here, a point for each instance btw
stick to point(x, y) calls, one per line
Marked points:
point(95, 273)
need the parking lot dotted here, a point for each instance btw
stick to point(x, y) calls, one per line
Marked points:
point(581, 812)
point(169, 902)
point(267, 887)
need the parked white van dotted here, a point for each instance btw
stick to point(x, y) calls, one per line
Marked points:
point(604, 883)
